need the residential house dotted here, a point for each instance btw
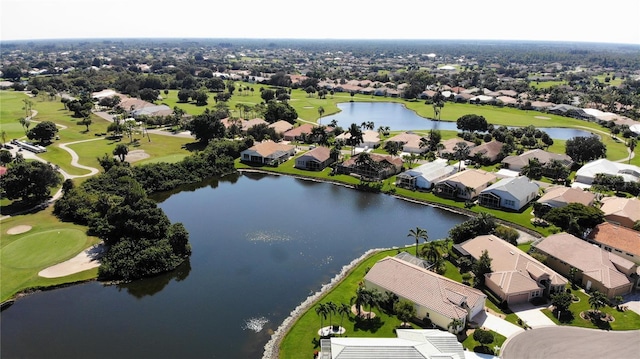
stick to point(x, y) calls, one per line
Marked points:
point(370, 138)
point(556, 197)
point(587, 173)
point(268, 152)
point(622, 211)
point(281, 126)
point(622, 241)
point(247, 124)
point(435, 297)
point(511, 193)
point(516, 277)
point(425, 176)
point(316, 159)
point(507, 100)
point(297, 133)
point(516, 163)
point(490, 151)
point(380, 167)
point(410, 142)
point(466, 184)
point(448, 146)
point(410, 344)
point(596, 268)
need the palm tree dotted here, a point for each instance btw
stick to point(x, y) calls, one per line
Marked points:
point(460, 152)
point(356, 137)
point(3, 135)
point(372, 300)
point(597, 300)
point(418, 234)
point(320, 112)
point(343, 309)
point(455, 325)
point(432, 253)
point(121, 151)
point(632, 146)
point(360, 298)
point(331, 309)
point(321, 310)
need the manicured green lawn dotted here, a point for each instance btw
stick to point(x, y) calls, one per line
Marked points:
point(628, 320)
point(472, 345)
point(48, 242)
point(303, 338)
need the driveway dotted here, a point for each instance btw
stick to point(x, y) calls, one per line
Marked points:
point(564, 342)
point(532, 315)
point(497, 324)
point(632, 301)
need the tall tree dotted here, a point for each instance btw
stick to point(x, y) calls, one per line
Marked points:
point(405, 311)
point(43, 132)
point(29, 181)
point(418, 234)
point(481, 267)
point(321, 311)
point(460, 152)
point(584, 149)
point(597, 300)
point(356, 137)
point(121, 151)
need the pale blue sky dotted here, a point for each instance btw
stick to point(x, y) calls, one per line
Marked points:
point(615, 21)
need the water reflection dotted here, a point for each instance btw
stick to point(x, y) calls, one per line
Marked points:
point(151, 286)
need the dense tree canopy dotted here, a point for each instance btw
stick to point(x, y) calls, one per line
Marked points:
point(277, 111)
point(29, 180)
point(584, 149)
point(206, 127)
point(575, 218)
point(43, 132)
point(472, 123)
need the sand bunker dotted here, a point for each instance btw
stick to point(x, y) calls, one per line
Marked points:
point(136, 155)
point(19, 229)
point(542, 118)
point(87, 259)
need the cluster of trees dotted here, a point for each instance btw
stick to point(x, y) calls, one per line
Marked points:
point(585, 149)
point(607, 182)
point(140, 239)
point(483, 223)
point(575, 218)
point(30, 182)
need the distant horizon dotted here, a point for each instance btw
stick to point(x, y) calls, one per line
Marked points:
point(183, 38)
point(586, 21)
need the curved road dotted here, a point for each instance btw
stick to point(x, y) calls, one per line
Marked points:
point(564, 342)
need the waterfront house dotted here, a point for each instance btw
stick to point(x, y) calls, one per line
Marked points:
point(268, 153)
point(511, 193)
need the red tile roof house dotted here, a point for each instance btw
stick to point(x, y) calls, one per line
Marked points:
point(517, 277)
point(315, 160)
point(295, 134)
point(268, 152)
point(622, 241)
point(387, 166)
point(622, 211)
point(597, 269)
point(435, 297)
point(281, 126)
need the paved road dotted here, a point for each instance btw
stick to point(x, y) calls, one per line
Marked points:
point(571, 342)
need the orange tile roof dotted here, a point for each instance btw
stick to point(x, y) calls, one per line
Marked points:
point(619, 237)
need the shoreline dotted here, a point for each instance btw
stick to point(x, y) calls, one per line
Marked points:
point(272, 347)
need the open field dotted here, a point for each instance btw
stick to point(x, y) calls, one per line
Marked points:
point(48, 242)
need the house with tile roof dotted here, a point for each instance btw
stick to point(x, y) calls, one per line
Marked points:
point(296, 133)
point(281, 126)
point(435, 297)
point(622, 241)
point(410, 142)
point(425, 176)
point(268, 153)
point(516, 163)
point(449, 145)
point(316, 159)
point(409, 344)
point(597, 269)
point(490, 151)
point(622, 211)
point(556, 197)
point(370, 138)
point(511, 193)
point(587, 173)
point(380, 167)
point(466, 184)
point(516, 277)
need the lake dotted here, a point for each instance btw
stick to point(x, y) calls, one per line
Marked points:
point(399, 118)
point(261, 244)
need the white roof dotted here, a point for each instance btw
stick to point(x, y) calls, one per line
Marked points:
point(431, 170)
point(630, 173)
point(518, 187)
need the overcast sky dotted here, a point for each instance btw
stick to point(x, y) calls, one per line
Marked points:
point(613, 21)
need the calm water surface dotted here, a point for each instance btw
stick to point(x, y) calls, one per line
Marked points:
point(399, 118)
point(261, 245)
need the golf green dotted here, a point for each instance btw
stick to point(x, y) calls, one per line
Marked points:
point(43, 249)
